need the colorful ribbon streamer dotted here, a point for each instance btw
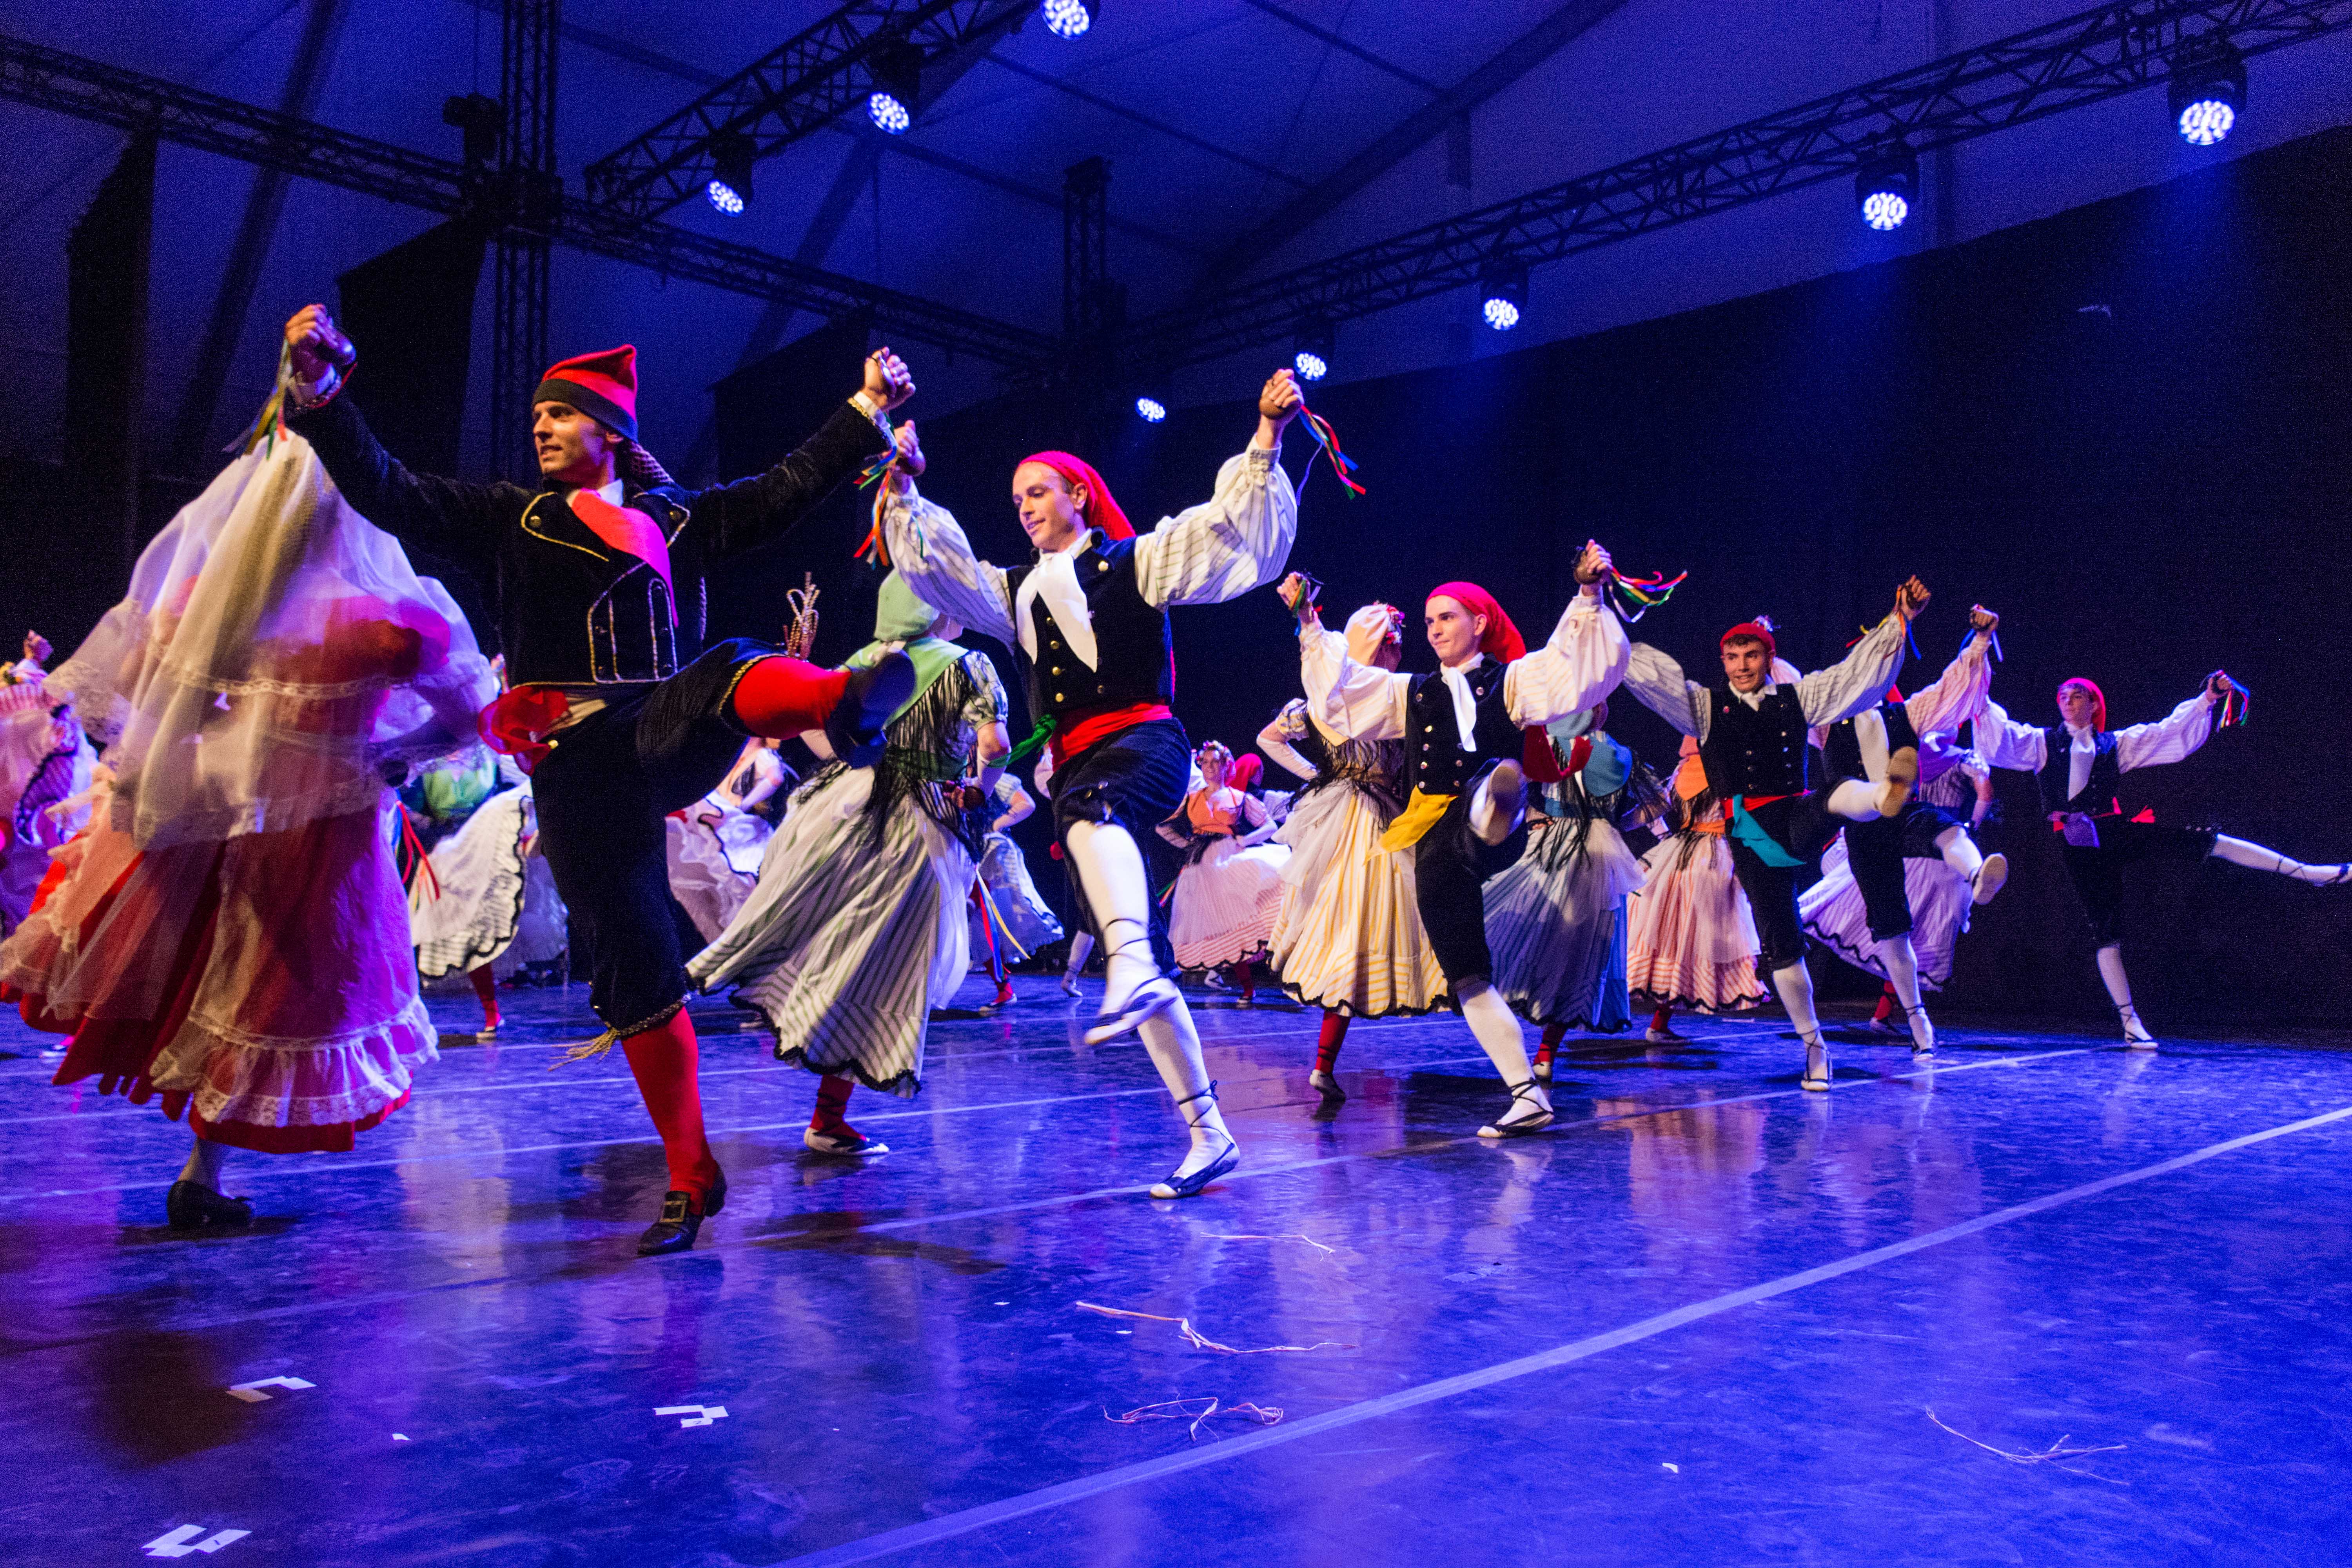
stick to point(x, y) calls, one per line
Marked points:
point(1327, 440)
point(2237, 706)
point(1637, 597)
point(268, 427)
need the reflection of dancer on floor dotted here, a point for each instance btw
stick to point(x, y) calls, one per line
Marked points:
point(232, 935)
point(1875, 853)
point(1690, 939)
point(1471, 733)
point(1230, 890)
point(599, 580)
point(856, 928)
point(1349, 939)
point(1556, 920)
point(1087, 622)
point(2078, 763)
point(1752, 728)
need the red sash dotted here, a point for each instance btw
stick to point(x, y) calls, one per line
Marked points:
point(629, 531)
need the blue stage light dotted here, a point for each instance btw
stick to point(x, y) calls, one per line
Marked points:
point(2209, 90)
point(2205, 121)
point(1503, 293)
point(1069, 18)
point(1884, 210)
point(1310, 365)
point(1885, 189)
point(887, 113)
point(722, 196)
point(731, 157)
point(1501, 314)
point(1152, 409)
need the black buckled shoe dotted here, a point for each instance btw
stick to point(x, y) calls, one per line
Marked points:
point(854, 727)
point(192, 1205)
point(681, 1220)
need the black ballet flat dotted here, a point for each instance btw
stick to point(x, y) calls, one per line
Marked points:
point(854, 727)
point(681, 1220)
point(192, 1205)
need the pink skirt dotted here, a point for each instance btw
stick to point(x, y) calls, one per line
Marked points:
point(1690, 941)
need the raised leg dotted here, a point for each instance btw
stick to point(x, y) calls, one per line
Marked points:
point(2238, 852)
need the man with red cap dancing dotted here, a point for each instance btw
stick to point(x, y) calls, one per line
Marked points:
point(1473, 734)
point(1088, 622)
point(1752, 727)
point(619, 708)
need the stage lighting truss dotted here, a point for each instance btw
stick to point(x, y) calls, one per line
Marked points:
point(1313, 359)
point(2208, 91)
point(1069, 18)
point(1151, 409)
point(1885, 191)
point(730, 189)
point(1503, 293)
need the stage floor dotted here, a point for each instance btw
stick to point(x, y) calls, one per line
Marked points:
point(1708, 1319)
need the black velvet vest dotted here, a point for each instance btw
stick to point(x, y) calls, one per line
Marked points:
point(2098, 794)
point(1433, 737)
point(1135, 658)
point(1842, 752)
point(1760, 751)
point(577, 611)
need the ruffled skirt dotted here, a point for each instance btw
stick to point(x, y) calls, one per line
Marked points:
point(1226, 904)
point(1348, 936)
point(714, 862)
point(845, 945)
point(1941, 902)
point(1690, 939)
point(1020, 913)
point(1553, 923)
point(265, 986)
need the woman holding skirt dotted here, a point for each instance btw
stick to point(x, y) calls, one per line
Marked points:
point(856, 930)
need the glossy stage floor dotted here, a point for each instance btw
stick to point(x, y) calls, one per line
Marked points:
point(2045, 1303)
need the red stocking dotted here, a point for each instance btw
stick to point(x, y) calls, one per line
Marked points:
point(1552, 1034)
point(1244, 976)
point(779, 697)
point(1885, 1004)
point(1662, 1019)
point(832, 1105)
point(486, 986)
point(1327, 1046)
point(663, 1060)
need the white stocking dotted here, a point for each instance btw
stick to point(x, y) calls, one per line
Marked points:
point(2238, 852)
point(1497, 1029)
point(203, 1166)
point(1902, 962)
point(1499, 804)
point(1110, 869)
point(1082, 947)
point(1959, 852)
point(1795, 984)
point(1175, 1049)
point(1855, 801)
point(2111, 970)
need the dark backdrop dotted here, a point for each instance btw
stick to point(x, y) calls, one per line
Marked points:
point(2123, 427)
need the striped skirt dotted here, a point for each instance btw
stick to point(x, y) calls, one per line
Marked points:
point(1690, 938)
point(845, 945)
point(1348, 937)
point(1553, 923)
point(1226, 903)
point(1940, 906)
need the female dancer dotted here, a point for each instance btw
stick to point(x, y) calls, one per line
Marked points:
point(233, 936)
point(2078, 763)
point(1556, 920)
point(1347, 938)
point(483, 902)
point(1006, 906)
point(857, 928)
point(1230, 890)
point(1690, 939)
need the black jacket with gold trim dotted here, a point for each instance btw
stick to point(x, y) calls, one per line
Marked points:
point(569, 609)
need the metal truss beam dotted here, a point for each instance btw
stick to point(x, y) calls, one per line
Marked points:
point(800, 88)
point(2090, 57)
point(68, 84)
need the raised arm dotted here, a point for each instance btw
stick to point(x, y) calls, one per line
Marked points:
point(1275, 741)
point(2003, 742)
point(2170, 738)
point(1582, 664)
point(748, 514)
point(1859, 679)
point(928, 548)
point(1960, 691)
point(1657, 683)
point(1240, 537)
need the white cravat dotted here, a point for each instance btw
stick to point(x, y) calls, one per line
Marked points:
point(1055, 579)
point(1465, 706)
point(2082, 749)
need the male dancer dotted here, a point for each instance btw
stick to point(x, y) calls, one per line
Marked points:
point(2078, 763)
point(618, 708)
point(1087, 623)
point(1752, 732)
point(1472, 731)
point(1859, 748)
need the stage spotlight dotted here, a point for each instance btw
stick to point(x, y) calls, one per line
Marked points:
point(730, 189)
point(1313, 360)
point(1069, 18)
point(897, 68)
point(1884, 190)
point(2209, 90)
point(1152, 409)
point(1502, 294)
